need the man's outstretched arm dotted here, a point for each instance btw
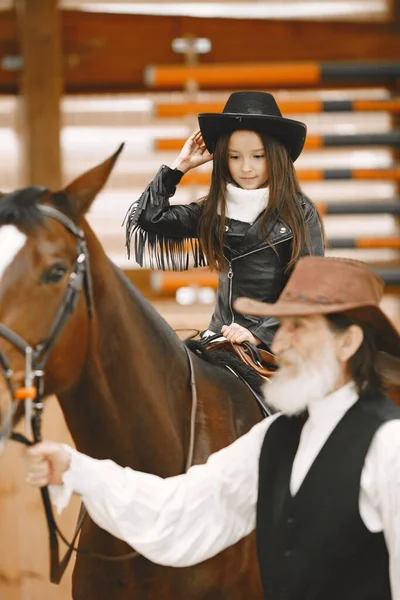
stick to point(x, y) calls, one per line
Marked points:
point(178, 521)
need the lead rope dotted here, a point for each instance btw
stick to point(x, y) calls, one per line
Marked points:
point(58, 567)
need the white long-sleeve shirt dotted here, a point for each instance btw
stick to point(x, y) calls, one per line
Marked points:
point(183, 520)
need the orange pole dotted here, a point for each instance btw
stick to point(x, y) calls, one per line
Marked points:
point(377, 174)
point(393, 243)
point(311, 175)
point(169, 281)
point(203, 178)
point(392, 290)
point(290, 106)
point(234, 74)
point(313, 142)
point(391, 105)
point(186, 108)
point(199, 178)
point(322, 208)
point(168, 144)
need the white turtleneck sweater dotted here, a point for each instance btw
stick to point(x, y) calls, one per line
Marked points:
point(245, 205)
point(183, 520)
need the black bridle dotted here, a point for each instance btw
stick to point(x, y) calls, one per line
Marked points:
point(36, 357)
point(35, 361)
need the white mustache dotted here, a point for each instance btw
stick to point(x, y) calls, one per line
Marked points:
point(288, 358)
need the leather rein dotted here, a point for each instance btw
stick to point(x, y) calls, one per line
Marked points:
point(33, 391)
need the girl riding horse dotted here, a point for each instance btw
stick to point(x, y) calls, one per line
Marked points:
point(254, 223)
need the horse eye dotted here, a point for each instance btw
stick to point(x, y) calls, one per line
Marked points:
point(54, 274)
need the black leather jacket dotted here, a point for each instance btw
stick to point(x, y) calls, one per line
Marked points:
point(254, 269)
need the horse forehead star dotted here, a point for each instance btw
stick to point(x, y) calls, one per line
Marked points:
point(11, 242)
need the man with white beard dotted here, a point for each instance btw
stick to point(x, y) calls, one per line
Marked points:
point(320, 480)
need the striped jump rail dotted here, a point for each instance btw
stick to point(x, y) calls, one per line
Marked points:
point(313, 142)
point(390, 243)
point(168, 282)
point(160, 280)
point(203, 178)
point(391, 277)
point(182, 109)
point(277, 74)
point(391, 207)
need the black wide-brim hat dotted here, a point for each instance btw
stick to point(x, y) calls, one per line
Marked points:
point(254, 111)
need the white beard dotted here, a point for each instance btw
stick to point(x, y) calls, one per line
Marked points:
point(298, 382)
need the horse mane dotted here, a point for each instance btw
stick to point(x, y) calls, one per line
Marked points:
point(223, 358)
point(148, 310)
point(20, 207)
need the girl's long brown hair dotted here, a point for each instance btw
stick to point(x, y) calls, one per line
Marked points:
point(283, 202)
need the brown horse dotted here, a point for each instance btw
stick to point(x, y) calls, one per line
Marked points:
point(123, 381)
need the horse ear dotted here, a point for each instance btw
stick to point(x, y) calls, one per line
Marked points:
point(82, 191)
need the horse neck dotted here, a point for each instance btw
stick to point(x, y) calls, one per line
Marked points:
point(132, 400)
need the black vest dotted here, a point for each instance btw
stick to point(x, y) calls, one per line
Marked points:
point(315, 546)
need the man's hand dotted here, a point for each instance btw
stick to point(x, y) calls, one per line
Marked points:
point(193, 153)
point(45, 464)
point(238, 334)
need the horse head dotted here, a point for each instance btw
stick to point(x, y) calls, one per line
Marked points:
point(45, 288)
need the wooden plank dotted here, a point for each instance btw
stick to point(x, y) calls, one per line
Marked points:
point(109, 52)
point(39, 113)
point(103, 44)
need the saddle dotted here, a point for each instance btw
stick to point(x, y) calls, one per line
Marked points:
point(261, 361)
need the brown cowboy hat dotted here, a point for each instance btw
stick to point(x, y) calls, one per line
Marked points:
point(255, 111)
point(323, 286)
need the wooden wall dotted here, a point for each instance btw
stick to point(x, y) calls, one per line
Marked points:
point(108, 53)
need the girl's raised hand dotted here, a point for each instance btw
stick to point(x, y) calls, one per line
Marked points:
point(193, 153)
